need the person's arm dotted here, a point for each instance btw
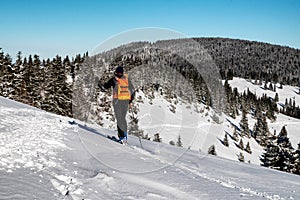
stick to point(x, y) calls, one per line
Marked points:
point(131, 89)
point(105, 86)
point(110, 83)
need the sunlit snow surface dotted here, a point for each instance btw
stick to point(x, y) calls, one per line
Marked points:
point(43, 156)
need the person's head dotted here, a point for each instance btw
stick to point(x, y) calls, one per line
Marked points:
point(119, 72)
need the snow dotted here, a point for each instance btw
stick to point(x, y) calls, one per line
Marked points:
point(286, 92)
point(43, 156)
point(197, 130)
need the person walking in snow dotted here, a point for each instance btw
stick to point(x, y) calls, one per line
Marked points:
point(123, 94)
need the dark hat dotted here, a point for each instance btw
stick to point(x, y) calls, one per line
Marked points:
point(119, 70)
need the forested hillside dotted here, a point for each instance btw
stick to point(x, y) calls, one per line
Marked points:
point(48, 84)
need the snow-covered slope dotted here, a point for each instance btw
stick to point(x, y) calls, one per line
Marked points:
point(198, 131)
point(286, 92)
point(44, 156)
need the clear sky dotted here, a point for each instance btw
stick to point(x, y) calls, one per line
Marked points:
point(69, 27)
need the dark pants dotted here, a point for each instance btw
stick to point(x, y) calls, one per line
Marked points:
point(121, 108)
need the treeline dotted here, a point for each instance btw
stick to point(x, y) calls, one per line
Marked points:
point(45, 84)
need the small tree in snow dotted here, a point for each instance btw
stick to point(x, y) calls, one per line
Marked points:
point(241, 144)
point(212, 150)
point(248, 149)
point(172, 143)
point(179, 143)
point(225, 141)
point(241, 157)
point(235, 135)
point(244, 124)
point(157, 138)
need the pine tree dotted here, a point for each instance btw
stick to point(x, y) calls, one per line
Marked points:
point(271, 87)
point(179, 143)
point(265, 85)
point(134, 127)
point(157, 138)
point(296, 156)
point(244, 124)
point(270, 155)
point(285, 154)
point(212, 150)
point(248, 149)
point(261, 130)
point(225, 140)
point(6, 75)
point(241, 144)
point(241, 157)
point(235, 135)
point(276, 99)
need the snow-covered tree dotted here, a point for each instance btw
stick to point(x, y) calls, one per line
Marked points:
point(235, 135)
point(241, 157)
point(212, 150)
point(270, 156)
point(179, 142)
point(244, 124)
point(157, 138)
point(296, 156)
point(241, 144)
point(260, 130)
point(225, 140)
point(279, 153)
point(248, 149)
point(285, 154)
point(133, 126)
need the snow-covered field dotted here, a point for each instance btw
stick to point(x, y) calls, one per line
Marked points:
point(43, 156)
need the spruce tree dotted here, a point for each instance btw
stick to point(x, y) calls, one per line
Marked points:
point(241, 144)
point(134, 127)
point(179, 143)
point(241, 157)
point(157, 138)
point(261, 130)
point(225, 140)
point(212, 150)
point(276, 99)
point(296, 168)
point(270, 156)
point(248, 149)
point(235, 135)
point(285, 153)
point(244, 124)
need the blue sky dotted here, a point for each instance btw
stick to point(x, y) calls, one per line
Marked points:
point(69, 27)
